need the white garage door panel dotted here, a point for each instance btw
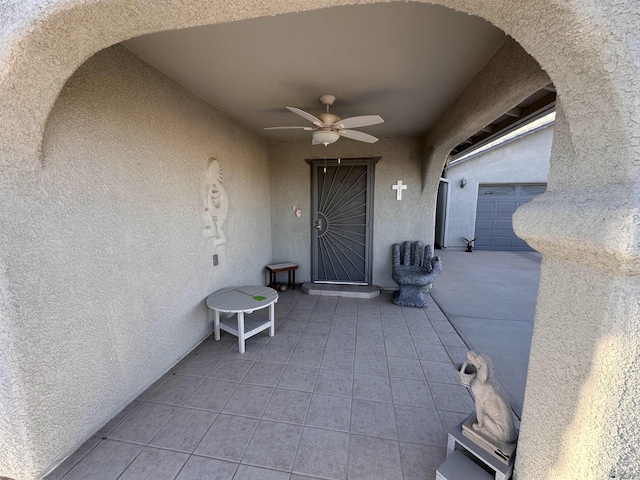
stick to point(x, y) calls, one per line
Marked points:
point(496, 205)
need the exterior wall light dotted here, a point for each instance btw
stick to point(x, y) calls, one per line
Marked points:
point(463, 182)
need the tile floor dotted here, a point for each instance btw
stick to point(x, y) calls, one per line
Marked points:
point(346, 389)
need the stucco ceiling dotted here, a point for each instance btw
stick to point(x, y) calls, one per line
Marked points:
point(404, 61)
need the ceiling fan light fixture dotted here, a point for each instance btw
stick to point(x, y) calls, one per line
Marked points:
point(325, 137)
point(329, 127)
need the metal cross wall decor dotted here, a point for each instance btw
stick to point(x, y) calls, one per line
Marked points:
point(398, 188)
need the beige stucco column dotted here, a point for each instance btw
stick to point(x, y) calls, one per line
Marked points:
point(581, 417)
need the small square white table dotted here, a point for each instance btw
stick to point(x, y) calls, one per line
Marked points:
point(243, 300)
point(460, 466)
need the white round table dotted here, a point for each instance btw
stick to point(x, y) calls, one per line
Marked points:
point(243, 300)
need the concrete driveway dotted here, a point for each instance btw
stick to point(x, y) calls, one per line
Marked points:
point(490, 299)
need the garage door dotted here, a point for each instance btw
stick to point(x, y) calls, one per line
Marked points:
point(496, 204)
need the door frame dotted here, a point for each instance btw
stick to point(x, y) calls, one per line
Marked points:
point(370, 163)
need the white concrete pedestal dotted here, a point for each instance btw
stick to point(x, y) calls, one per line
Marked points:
point(468, 461)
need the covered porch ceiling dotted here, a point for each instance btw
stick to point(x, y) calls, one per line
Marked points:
point(404, 61)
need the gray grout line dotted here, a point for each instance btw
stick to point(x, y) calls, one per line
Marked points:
point(129, 464)
point(422, 369)
point(400, 453)
point(368, 317)
point(273, 389)
point(352, 382)
point(100, 440)
point(103, 437)
point(302, 426)
point(308, 406)
point(145, 446)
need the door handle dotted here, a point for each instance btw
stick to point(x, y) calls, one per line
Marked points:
point(318, 224)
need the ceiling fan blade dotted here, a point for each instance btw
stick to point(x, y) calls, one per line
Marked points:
point(285, 128)
point(360, 136)
point(315, 120)
point(362, 121)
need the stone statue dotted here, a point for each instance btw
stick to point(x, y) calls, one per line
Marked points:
point(493, 412)
point(414, 268)
point(216, 206)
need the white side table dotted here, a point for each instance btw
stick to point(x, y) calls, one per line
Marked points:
point(467, 467)
point(242, 300)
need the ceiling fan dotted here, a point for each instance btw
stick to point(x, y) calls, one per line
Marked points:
point(329, 127)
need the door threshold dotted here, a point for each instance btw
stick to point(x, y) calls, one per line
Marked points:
point(335, 290)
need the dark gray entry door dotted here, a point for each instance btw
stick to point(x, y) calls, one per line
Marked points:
point(496, 205)
point(342, 200)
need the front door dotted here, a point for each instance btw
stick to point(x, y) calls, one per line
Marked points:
point(342, 200)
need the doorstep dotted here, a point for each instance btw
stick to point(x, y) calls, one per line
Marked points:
point(333, 290)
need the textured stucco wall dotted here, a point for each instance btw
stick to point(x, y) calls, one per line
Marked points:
point(582, 392)
point(394, 220)
point(523, 160)
point(508, 78)
point(114, 294)
point(580, 409)
point(580, 417)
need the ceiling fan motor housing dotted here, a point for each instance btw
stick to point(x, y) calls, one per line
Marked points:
point(328, 118)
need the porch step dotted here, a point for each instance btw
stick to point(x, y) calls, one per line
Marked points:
point(331, 290)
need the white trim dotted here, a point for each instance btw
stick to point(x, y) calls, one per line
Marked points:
point(508, 137)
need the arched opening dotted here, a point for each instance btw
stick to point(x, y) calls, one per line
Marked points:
point(578, 160)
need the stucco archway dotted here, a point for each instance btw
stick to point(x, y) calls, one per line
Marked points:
point(58, 36)
point(589, 273)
